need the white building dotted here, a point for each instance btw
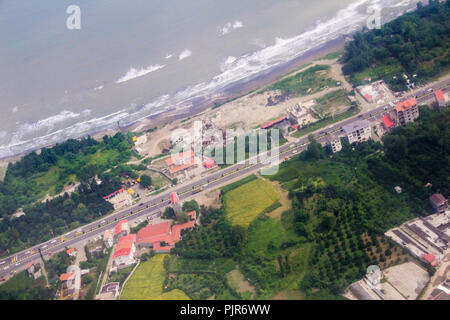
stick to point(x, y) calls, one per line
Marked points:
point(335, 143)
point(124, 254)
point(358, 131)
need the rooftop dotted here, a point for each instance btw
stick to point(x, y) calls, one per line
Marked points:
point(357, 125)
point(438, 199)
point(387, 121)
point(406, 105)
point(119, 227)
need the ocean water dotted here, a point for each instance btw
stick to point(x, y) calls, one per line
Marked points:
point(133, 59)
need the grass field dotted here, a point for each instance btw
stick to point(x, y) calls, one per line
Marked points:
point(245, 203)
point(147, 281)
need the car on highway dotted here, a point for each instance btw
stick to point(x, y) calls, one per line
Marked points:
point(140, 204)
point(17, 264)
point(6, 268)
point(3, 262)
point(44, 246)
point(52, 242)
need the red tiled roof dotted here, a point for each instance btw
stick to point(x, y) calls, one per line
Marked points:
point(173, 197)
point(153, 232)
point(114, 193)
point(66, 276)
point(182, 156)
point(209, 163)
point(429, 257)
point(406, 105)
point(387, 121)
point(119, 226)
point(124, 246)
point(181, 167)
point(69, 251)
point(295, 126)
point(368, 96)
point(272, 123)
point(29, 265)
point(438, 199)
point(439, 95)
point(176, 230)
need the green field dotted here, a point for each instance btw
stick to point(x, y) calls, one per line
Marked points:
point(246, 202)
point(147, 283)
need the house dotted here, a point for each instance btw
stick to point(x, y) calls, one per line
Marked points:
point(438, 202)
point(441, 99)
point(68, 280)
point(122, 229)
point(387, 122)
point(358, 131)
point(180, 163)
point(110, 291)
point(209, 163)
point(124, 254)
point(175, 202)
point(301, 115)
point(407, 111)
point(30, 268)
point(108, 238)
point(335, 143)
point(431, 259)
point(71, 252)
point(154, 236)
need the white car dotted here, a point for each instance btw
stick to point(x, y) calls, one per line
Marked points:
point(17, 264)
point(103, 221)
point(6, 268)
point(52, 242)
point(43, 247)
point(2, 262)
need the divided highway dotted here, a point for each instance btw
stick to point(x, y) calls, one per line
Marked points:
point(158, 203)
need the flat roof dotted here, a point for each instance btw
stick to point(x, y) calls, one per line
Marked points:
point(357, 125)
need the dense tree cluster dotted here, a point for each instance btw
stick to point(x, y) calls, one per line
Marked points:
point(416, 43)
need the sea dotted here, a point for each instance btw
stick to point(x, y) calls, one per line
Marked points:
point(128, 60)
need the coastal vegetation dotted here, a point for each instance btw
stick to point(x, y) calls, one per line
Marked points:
point(416, 44)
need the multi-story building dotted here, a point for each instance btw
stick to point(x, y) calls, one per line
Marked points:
point(122, 229)
point(124, 254)
point(407, 111)
point(335, 143)
point(358, 131)
point(441, 99)
point(438, 202)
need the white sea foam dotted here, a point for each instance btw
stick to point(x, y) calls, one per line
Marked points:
point(230, 26)
point(185, 54)
point(233, 70)
point(136, 73)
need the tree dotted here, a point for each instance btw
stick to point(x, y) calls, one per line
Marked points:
point(146, 181)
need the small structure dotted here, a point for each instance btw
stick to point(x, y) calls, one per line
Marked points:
point(68, 280)
point(110, 291)
point(431, 259)
point(273, 123)
point(407, 111)
point(71, 252)
point(30, 268)
point(122, 229)
point(301, 115)
point(124, 254)
point(209, 163)
point(175, 202)
point(441, 99)
point(398, 189)
point(387, 122)
point(438, 202)
point(108, 238)
point(358, 131)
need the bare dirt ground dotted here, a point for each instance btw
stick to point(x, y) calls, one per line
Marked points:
point(210, 199)
point(284, 200)
point(237, 280)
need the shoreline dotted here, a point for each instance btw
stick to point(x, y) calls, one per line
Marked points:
point(233, 91)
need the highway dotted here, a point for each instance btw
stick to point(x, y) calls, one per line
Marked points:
point(156, 204)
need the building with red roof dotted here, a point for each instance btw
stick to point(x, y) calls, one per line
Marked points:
point(431, 259)
point(174, 198)
point(121, 229)
point(71, 252)
point(67, 276)
point(407, 111)
point(153, 236)
point(438, 202)
point(177, 164)
point(387, 122)
point(270, 124)
point(124, 253)
point(209, 163)
point(440, 99)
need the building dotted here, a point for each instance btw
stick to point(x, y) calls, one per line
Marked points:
point(68, 280)
point(108, 238)
point(122, 229)
point(438, 202)
point(358, 131)
point(110, 291)
point(163, 236)
point(209, 163)
point(175, 202)
point(335, 143)
point(387, 122)
point(273, 123)
point(180, 163)
point(407, 111)
point(301, 115)
point(71, 252)
point(441, 99)
point(431, 259)
point(124, 254)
